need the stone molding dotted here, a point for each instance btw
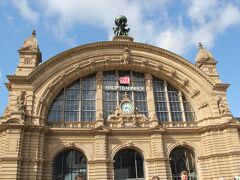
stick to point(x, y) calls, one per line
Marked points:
point(109, 44)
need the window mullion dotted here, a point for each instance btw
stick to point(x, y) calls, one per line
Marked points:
point(181, 105)
point(63, 105)
point(80, 100)
point(167, 101)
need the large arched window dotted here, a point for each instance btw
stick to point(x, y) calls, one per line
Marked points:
point(128, 165)
point(170, 103)
point(68, 164)
point(182, 159)
point(116, 83)
point(76, 102)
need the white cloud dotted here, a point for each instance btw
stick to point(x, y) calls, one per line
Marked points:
point(25, 10)
point(151, 21)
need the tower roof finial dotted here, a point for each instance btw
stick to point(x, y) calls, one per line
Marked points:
point(34, 32)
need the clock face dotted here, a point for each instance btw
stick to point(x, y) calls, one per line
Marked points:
point(127, 107)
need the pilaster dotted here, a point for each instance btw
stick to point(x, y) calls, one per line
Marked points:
point(98, 167)
point(150, 96)
point(11, 145)
point(99, 92)
point(157, 163)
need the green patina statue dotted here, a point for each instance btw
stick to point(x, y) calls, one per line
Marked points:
point(121, 24)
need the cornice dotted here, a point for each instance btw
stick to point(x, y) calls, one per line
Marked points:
point(107, 44)
point(220, 127)
point(216, 155)
point(220, 87)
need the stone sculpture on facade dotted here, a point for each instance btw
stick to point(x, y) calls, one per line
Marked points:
point(121, 24)
point(21, 102)
point(125, 58)
point(222, 106)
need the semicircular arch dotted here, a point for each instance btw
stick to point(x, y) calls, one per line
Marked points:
point(167, 66)
point(62, 147)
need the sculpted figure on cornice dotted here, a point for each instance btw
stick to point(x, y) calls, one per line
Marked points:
point(222, 106)
point(21, 102)
point(125, 58)
point(120, 119)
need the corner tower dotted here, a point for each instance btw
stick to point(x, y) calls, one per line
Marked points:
point(30, 56)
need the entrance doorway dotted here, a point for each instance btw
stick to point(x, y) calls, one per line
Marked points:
point(128, 165)
point(182, 159)
point(68, 164)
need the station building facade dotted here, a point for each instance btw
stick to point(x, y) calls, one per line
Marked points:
point(117, 110)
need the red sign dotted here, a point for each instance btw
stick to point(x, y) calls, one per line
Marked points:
point(124, 80)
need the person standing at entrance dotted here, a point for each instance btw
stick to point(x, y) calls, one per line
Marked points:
point(184, 175)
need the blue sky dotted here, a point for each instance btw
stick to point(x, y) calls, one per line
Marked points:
point(176, 25)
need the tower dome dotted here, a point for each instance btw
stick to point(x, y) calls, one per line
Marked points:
point(202, 54)
point(31, 42)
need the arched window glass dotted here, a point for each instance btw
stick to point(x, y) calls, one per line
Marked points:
point(114, 90)
point(175, 104)
point(189, 113)
point(75, 102)
point(69, 164)
point(182, 159)
point(128, 165)
point(170, 103)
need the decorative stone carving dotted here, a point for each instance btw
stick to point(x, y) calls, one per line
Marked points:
point(195, 93)
point(126, 57)
point(107, 60)
point(222, 106)
point(27, 60)
point(173, 73)
point(92, 63)
point(159, 66)
point(185, 82)
point(144, 62)
point(119, 118)
point(21, 102)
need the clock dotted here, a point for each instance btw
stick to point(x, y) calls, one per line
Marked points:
point(127, 107)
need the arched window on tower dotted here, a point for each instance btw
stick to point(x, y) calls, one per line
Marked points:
point(182, 159)
point(68, 164)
